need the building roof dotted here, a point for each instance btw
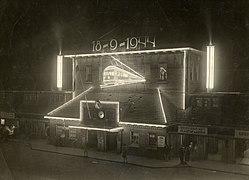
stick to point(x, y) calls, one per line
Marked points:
point(136, 107)
point(134, 52)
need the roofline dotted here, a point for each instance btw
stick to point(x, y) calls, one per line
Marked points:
point(133, 52)
point(70, 101)
point(143, 124)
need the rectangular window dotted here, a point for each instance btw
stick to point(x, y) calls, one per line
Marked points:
point(152, 139)
point(206, 103)
point(163, 72)
point(89, 73)
point(199, 102)
point(72, 133)
point(197, 69)
point(215, 102)
point(134, 138)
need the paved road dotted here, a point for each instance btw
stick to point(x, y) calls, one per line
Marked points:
point(25, 163)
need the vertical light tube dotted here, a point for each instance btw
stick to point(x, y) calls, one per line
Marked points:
point(59, 72)
point(161, 104)
point(184, 80)
point(210, 68)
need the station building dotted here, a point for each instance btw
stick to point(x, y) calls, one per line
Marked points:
point(129, 97)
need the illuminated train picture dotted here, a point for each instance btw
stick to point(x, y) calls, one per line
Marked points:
point(113, 76)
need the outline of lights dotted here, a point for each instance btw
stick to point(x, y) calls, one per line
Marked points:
point(117, 129)
point(122, 82)
point(59, 71)
point(62, 118)
point(133, 52)
point(143, 124)
point(70, 101)
point(128, 67)
point(102, 102)
point(184, 80)
point(210, 67)
point(161, 104)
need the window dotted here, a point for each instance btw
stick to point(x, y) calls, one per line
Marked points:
point(197, 71)
point(152, 139)
point(134, 138)
point(163, 72)
point(88, 73)
point(199, 102)
point(215, 102)
point(72, 133)
point(206, 102)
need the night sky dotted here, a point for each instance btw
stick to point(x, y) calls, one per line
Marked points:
point(33, 31)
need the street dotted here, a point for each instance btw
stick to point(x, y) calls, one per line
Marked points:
point(25, 163)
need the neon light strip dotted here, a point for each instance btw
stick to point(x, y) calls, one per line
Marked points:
point(133, 52)
point(210, 67)
point(61, 118)
point(107, 86)
point(128, 67)
point(102, 102)
point(59, 71)
point(97, 129)
point(143, 124)
point(184, 80)
point(161, 103)
point(67, 103)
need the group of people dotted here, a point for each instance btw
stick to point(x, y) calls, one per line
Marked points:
point(7, 131)
point(188, 153)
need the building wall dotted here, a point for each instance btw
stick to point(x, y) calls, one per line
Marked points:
point(143, 148)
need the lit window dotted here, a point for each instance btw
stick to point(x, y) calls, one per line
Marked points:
point(134, 139)
point(163, 72)
point(88, 73)
point(152, 139)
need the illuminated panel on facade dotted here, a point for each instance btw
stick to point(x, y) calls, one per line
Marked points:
point(210, 67)
point(59, 71)
point(116, 103)
point(114, 76)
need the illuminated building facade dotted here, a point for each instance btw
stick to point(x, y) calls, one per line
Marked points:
point(129, 97)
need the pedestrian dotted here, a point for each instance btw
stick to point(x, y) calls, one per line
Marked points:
point(181, 154)
point(85, 151)
point(124, 153)
point(187, 153)
point(166, 152)
point(191, 151)
point(196, 153)
point(47, 133)
point(62, 138)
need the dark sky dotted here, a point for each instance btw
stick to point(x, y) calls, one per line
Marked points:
point(32, 32)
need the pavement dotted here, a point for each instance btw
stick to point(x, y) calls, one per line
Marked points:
point(4, 169)
point(213, 166)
